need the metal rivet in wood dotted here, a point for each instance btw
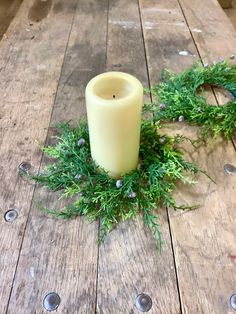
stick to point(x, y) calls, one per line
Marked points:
point(233, 301)
point(24, 167)
point(10, 215)
point(228, 168)
point(51, 301)
point(81, 142)
point(143, 302)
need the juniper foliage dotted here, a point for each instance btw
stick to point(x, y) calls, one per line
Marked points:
point(182, 95)
point(96, 196)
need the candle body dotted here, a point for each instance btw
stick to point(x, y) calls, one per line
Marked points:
point(114, 105)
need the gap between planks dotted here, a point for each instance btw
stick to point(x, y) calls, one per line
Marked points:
point(19, 56)
point(78, 253)
point(182, 65)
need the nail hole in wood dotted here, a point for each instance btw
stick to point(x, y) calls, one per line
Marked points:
point(233, 301)
point(24, 167)
point(229, 169)
point(51, 301)
point(10, 215)
point(143, 302)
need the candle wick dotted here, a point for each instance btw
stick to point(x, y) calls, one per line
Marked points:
point(114, 96)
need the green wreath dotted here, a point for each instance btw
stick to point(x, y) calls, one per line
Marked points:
point(95, 195)
point(177, 98)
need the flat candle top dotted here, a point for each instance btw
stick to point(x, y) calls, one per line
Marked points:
point(113, 86)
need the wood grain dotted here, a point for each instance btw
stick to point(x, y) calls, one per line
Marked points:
point(129, 263)
point(8, 9)
point(213, 33)
point(203, 239)
point(59, 255)
point(85, 58)
point(29, 72)
point(62, 256)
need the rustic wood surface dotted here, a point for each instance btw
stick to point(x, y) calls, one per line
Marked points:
point(61, 256)
point(52, 49)
point(30, 66)
point(202, 253)
point(8, 9)
point(128, 261)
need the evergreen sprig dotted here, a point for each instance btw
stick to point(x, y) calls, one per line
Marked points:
point(180, 97)
point(92, 193)
point(97, 196)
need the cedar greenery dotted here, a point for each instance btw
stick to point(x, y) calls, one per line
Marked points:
point(96, 195)
point(176, 98)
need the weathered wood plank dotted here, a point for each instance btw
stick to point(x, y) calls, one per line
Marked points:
point(204, 239)
point(129, 263)
point(59, 255)
point(8, 9)
point(85, 58)
point(30, 65)
point(213, 33)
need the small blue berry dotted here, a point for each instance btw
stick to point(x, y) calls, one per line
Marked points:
point(132, 194)
point(161, 171)
point(119, 184)
point(78, 176)
point(41, 173)
point(181, 119)
point(162, 140)
point(162, 106)
point(81, 142)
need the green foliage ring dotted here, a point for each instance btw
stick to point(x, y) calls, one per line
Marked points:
point(176, 98)
point(94, 194)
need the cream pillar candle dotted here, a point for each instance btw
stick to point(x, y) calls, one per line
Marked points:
point(114, 105)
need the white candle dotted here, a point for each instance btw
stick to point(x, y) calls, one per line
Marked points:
point(114, 105)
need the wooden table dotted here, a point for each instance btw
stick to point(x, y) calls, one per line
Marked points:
point(48, 54)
